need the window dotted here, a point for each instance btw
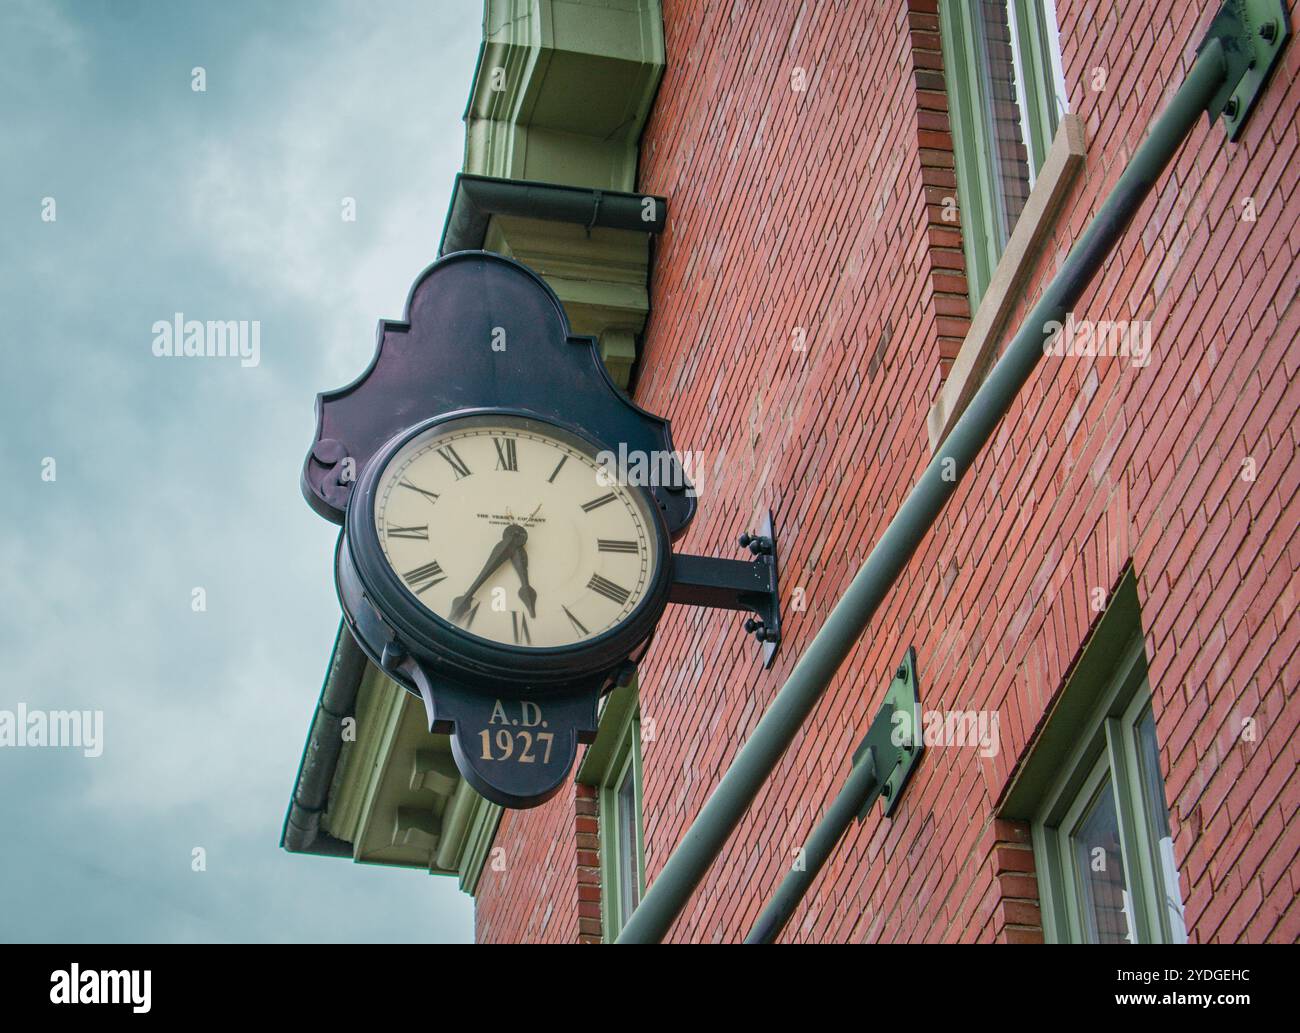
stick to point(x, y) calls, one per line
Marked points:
point(1093, 794)
point(622, 863)
point(612, 767)
point(1102, 844)
point(1006, 96)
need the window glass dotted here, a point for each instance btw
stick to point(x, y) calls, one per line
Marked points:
point(1005, 107)
point(1099, 866)
point(1157, 811)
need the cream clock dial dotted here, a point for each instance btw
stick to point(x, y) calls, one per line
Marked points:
point(509, 529)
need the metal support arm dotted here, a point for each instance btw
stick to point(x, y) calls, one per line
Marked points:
point(736, 585)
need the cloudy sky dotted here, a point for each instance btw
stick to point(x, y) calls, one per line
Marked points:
point(176, 474)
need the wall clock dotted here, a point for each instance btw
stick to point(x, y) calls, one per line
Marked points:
point(493, 560)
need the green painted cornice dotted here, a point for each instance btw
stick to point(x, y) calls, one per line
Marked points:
point(395, 796)
point(562, 90)
point(591, 246)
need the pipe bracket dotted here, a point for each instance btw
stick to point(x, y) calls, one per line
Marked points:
point(897, 735)
point(1253, 34)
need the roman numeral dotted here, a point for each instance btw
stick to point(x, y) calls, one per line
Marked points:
point(615, 545)
point(427, 494)
point(506, 457)
point(577, 624)
point(422, 578)
point(457, 463)
point(469, 617)
point(597, 503)
point(520, 623)
point(421, 533)
point(551, 479)
point(607, 588)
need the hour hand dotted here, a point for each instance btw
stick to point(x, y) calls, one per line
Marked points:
point(526, 592)
point(511, 539)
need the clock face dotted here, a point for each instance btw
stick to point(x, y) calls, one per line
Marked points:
point(508, 528)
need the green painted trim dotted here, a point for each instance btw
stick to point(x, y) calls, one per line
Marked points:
point(353, 793)
point(560, 96)
point(616, 746)
point(618, 711)
point(626, 758)
point(562, 90)
point(1089, 741)
point(455, 827)
point(1155, 918)
point(482, 830)
point(1035, 35)
point(1134, 844)
point(1079, 777)
point(970, 145)
point(1070, 889)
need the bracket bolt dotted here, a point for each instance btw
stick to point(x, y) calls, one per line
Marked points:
point(902, 672)
point(752, 625)
point(1268, 31)
point(1230, 109)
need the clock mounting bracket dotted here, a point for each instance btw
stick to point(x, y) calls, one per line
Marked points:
point(749, 585)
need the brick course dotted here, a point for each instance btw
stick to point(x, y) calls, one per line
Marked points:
point(821, 210)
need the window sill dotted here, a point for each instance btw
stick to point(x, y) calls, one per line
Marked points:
point(1063, 162)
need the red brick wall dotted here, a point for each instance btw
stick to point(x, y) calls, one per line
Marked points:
point(537, 882)
point(817, 210)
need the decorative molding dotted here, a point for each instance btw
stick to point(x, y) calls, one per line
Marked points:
point(397, 797)
point(561, 93)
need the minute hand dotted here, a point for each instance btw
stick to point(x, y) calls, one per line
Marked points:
point(513, 537)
